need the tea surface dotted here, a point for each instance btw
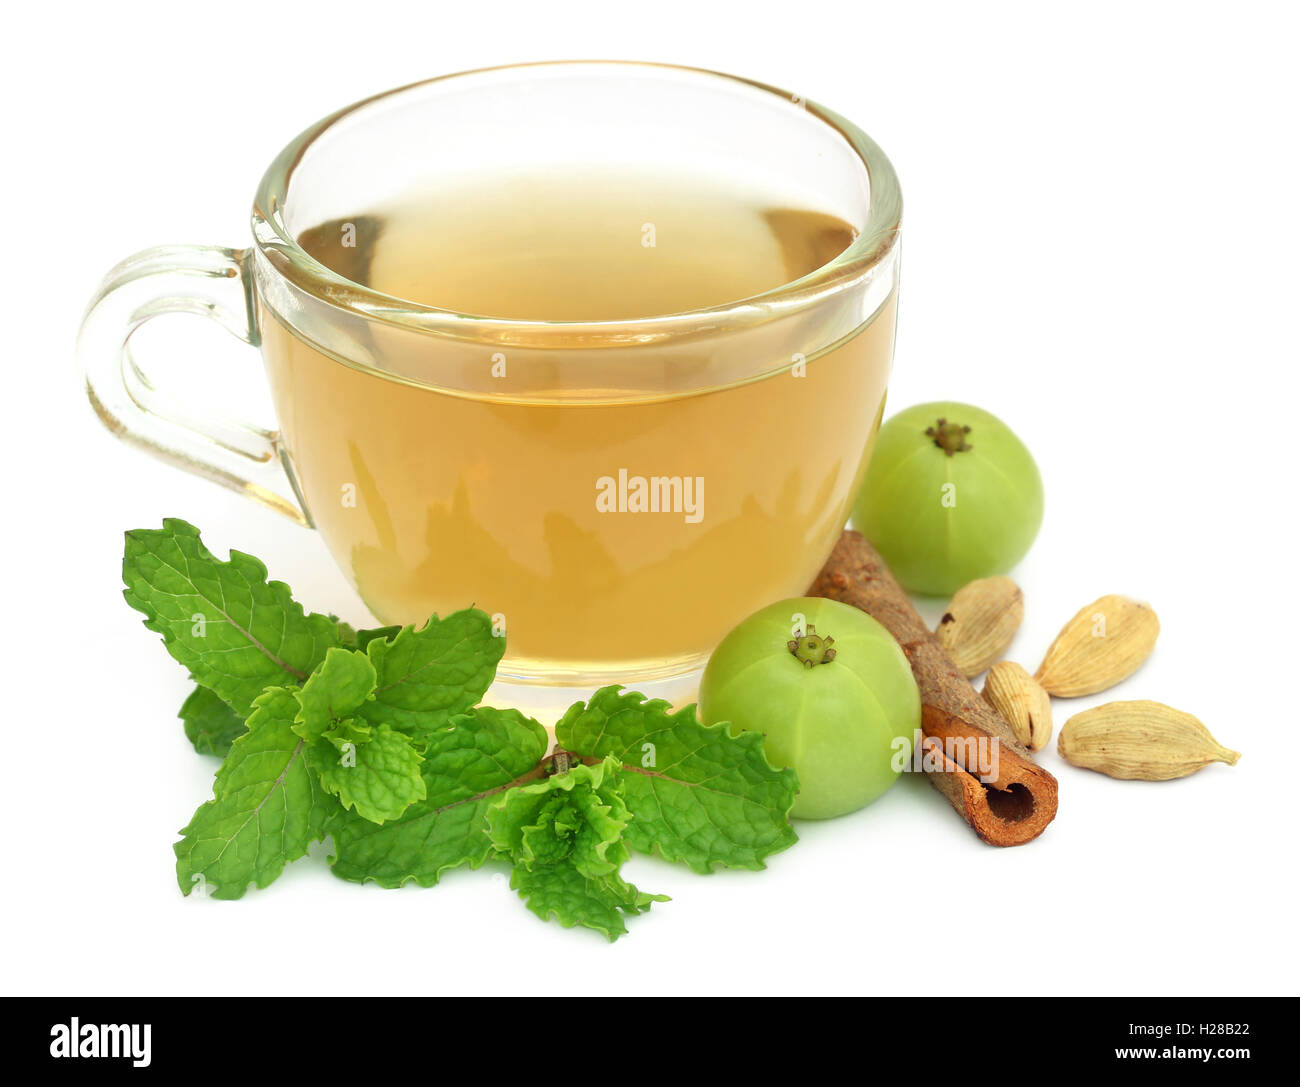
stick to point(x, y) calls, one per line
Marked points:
point(603, 247)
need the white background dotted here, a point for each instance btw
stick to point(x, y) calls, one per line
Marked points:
point(1101, 247)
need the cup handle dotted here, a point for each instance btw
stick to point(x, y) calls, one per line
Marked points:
point(212, 281)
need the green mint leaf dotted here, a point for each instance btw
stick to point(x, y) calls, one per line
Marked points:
point(351, 730)
point(210, 724)
point(466, 765)
point(372, 769)
point(427, 676)
point(265, 811)
point(351, 638)
point(378, 777)
point(338, 687)
point(236, 632)
point(697, 794)
point(564, 835)
point(365, 637)
point(562, 892)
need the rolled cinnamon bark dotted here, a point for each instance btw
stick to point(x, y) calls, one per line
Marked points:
point(959, 728)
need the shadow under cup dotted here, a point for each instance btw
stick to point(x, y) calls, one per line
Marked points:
point(454, 288)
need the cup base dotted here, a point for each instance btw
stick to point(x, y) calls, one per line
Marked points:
point(547, 703)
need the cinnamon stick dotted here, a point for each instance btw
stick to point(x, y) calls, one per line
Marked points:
point(1019, 801)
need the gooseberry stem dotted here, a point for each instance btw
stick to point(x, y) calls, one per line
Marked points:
point(950, 437)
point(812, 648)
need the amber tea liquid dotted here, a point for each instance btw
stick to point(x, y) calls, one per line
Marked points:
point(620, 535)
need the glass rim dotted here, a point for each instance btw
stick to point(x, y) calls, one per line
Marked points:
point(873, 245)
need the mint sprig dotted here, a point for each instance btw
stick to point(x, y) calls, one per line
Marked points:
point(376, 739)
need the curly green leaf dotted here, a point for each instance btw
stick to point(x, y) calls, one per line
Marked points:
point(564, 835)
point(375, 773)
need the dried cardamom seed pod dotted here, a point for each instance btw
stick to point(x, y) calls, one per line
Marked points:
point(981, 622)
point(1104, 643)
point(1021, 702)
point(1147, 741)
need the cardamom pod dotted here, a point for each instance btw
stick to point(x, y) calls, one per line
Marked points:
point(1147, 741)
point(980, 623)
point(1104, 643)
point(1021, 702)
